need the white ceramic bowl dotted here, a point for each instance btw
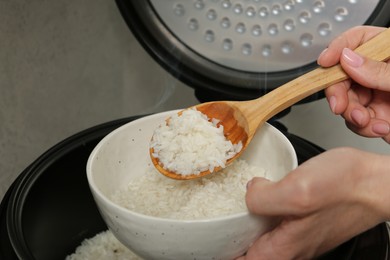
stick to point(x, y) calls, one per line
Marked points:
point(124, 155)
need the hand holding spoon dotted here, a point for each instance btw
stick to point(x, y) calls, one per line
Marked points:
point(241, 119)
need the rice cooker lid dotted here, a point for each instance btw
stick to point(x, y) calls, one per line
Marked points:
point(243, 47)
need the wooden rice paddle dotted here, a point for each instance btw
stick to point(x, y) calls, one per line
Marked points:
point(241, 119)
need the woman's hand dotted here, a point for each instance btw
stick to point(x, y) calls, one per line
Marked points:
point(324, 202)
point(342, 192)
point(364, 99)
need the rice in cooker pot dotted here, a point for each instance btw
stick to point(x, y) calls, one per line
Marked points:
point(215, 195)
point(103, 246)
point(191, 143)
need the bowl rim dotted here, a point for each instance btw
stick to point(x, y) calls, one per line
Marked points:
point(97, 192)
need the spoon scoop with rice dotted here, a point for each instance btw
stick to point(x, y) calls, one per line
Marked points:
point(241, 119)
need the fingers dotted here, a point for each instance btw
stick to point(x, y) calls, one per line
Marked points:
point(263, 248)
point(375, 128)
point(350, 102)
point(355, 103)
point(337, 96)
point(366, 72)
point(350, 39)
point(360, 117)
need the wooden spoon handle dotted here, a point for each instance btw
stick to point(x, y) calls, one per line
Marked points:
point(263, 108)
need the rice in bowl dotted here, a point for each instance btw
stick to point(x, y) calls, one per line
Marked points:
point(216, 195)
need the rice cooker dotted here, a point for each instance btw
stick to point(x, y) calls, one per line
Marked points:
point(49, 210)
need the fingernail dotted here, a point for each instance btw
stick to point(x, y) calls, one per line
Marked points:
point(332, 103)
point(381, 128)
point(357, 116)
point(352, 58)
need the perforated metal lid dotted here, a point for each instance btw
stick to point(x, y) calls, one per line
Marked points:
point(243, 48)
point(261, 35)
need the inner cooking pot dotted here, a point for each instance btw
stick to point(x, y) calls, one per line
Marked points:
point(231, 49)
point(49, 210)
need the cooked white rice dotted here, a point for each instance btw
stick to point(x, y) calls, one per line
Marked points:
point(191, 143)
point(218, 194)
point(103, 246)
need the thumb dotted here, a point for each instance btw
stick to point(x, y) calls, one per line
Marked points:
point(269, 198)
point(366, 72)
